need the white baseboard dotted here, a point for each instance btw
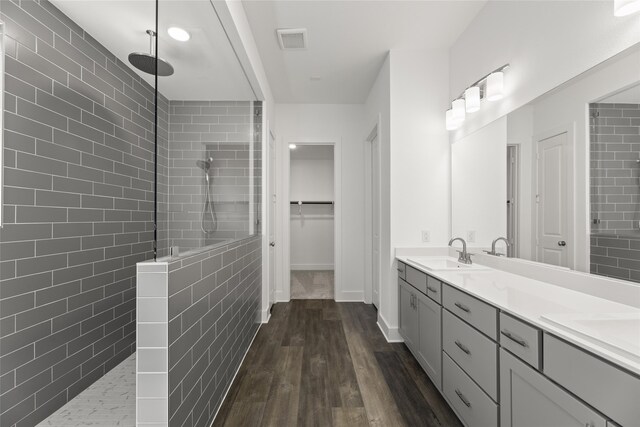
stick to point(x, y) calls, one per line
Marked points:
point(391, 334)
point(265, 315)
point(349, 296)
point(307, 267)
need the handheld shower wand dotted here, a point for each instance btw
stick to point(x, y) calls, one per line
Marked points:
point(208, 209)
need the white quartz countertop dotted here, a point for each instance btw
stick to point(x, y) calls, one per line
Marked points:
point(606, 328)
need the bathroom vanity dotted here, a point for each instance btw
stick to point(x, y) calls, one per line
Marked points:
point(508, 350)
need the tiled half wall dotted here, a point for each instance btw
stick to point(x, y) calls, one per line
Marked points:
point(197, 317)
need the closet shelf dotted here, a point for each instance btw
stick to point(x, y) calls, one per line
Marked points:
point(301, 202)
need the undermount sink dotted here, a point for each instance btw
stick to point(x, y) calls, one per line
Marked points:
point(444, 264)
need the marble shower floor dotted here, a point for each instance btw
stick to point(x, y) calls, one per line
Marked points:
point(109, 402)
point(312, 284)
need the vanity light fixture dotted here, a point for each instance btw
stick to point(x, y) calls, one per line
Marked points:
point(472, 98)
point(179, 34)
point(625, 7)
point(491, 86)
point(292, 146)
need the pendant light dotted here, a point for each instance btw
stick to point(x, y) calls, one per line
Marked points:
point(495, 86)
point(459, 111)
point(472, 99)
point(625, 7)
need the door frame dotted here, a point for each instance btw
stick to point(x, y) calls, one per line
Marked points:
point(285, 207)
point(514, 250)
point(271, 224)
point(569, 129)
point(368, 214)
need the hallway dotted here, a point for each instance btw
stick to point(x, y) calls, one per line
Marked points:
point(318, 362)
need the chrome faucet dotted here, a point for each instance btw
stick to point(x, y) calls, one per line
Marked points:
point(493, 246)
point(465, 257)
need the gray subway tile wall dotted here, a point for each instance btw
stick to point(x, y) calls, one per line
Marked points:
point(228, 132)
point(615, 190)
point(214, 308)
point(79, 209)
point(615, 170)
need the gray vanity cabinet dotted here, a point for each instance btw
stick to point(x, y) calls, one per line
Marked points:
point(528, 399)
point(408, 314)
point(430, 338)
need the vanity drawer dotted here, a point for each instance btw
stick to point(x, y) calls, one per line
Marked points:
point(402, 269)
point(521, 339)
point(434, 289)
point(475, 312)
point(476, 354)
point(417, 279)
point(605, 387)
point(468, 400)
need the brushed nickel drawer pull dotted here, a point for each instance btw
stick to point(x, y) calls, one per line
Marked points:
point(462, 307)
point(464, 399)
point(432, 289)
point(514, 338)
point(463, 347)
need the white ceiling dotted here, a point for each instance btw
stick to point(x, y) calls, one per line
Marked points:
point(206, 67)
point(348, 41)
point(628, 96)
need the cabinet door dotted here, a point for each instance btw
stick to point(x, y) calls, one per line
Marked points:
point(528, 399)
point(408, 317)
point(430, 338)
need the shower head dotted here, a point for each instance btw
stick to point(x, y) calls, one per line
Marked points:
point(205, 165)
point(146, 62)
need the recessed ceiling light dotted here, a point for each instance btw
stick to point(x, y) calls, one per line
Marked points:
point(179, 34)
point(292, 146)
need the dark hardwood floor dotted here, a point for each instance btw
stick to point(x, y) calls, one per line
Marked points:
point(322, 363)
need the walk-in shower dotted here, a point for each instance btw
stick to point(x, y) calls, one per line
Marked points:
point(209, 222)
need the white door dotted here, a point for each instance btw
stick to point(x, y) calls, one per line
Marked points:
point(375, 221)
point(552, 198)
point(272, 220)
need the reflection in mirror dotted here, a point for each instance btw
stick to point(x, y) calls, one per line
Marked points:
point(615, 184)
point(560, 176)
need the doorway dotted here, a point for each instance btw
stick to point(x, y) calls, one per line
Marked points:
point(372, 218)
point(311, 221)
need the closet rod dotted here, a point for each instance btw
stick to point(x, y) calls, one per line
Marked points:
point(311, 203)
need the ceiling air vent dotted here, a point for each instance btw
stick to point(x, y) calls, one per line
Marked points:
point(292, 38)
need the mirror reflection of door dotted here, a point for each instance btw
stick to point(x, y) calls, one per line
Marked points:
point(551, 200)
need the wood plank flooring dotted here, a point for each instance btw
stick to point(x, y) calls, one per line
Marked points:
point(322, 363)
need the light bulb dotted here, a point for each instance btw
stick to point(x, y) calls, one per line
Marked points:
point(450, 122)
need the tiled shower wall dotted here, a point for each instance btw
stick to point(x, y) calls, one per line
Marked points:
point(615, 171)
point(224, 131)
point(213, 313)
point(616, 256)
point(78, 206)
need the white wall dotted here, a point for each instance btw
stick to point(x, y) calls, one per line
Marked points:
point(342, 124)
point(312, 231)
point(479, 185)
point(546, 43)
point(409, 96)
